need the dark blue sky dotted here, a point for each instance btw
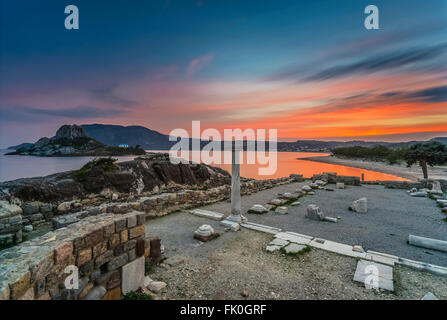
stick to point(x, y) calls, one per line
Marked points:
point(164, 63)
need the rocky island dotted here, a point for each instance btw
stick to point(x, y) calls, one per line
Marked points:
point(71, 140)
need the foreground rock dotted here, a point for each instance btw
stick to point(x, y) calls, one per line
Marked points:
point(140, 175)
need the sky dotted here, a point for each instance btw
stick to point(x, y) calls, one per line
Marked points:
point(307, 68)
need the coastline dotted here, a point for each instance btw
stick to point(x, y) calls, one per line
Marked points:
point(413, 173)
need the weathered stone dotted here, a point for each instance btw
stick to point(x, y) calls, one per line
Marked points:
point(136, 232)
point(428, 243)
point(114, 240)
point(114, 280)
point(340, 185)
point(294, 248)
point(421, 194)
point(132, 254)
point(132, 275)
point(155, 250)
point(314, 212)
point(9, 210)
point(96, 293)
point(174, 261)
point(39, 287)
point(86, 268)
point(104, 258)
point(83, 256)
point(46, 207)
point(113, 294)
point(124, 236)
point(257, 208)
point(360, 205)
point(117, 262)
point(4, 291)
point(93, 238)
point(31, 208)
point(120, 225)
point(99, 249)
point(231, 225)
point(64, 206)
point(28, 228)
point(282, 210)
point(20, 284)
point(306, 188)
point(156, 286)
point(276, 202)
point(131, 221)
point(272, 248)
point(140, 247)
point(29, 294)
point(429, 296)
point(63, 252)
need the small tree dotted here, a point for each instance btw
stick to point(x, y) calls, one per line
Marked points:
point(431, 153)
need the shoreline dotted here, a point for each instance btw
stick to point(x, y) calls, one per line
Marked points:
point(413, 173)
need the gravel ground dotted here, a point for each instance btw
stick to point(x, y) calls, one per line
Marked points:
point(236, 261)
point(392, 216)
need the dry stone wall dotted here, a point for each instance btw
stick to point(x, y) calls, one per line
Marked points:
point(101, 247)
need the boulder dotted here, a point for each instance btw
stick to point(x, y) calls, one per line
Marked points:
point(294, 248)
point(306, 188)
point(276, 202)
point(257, 208)
point(360, 205)
point(282, 210)
point(314, 212)
point(9, 210)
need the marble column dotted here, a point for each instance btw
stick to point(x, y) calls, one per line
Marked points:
point(236, 215)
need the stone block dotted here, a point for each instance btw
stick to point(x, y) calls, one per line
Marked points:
point(314, 212)
point(136, 232)
point(294, 248)
point(117, 262)
point(63, 252)
point(124, 235)
point(131, 221)
point(99, 249)
point(113, 294)
point(374, 274)
point(114, 240)
point(360, 205)
point(97, 293)
point(120, 225)
point(104, 258)
point(20, 284)
point(132, 275)
point(83, 256)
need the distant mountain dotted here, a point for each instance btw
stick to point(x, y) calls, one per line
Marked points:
point(114, 135)
point(71, 140)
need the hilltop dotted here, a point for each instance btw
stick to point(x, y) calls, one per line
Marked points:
point(71, 140)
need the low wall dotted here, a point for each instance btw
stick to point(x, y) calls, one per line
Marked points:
point(108, 249)
point(423, 183)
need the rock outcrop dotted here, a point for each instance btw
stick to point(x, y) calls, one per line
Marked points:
point(71, 140)
point(142, 174)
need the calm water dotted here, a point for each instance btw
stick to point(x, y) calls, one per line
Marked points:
point(15, 167)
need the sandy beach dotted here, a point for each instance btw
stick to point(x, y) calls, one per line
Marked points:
point(413, 173)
